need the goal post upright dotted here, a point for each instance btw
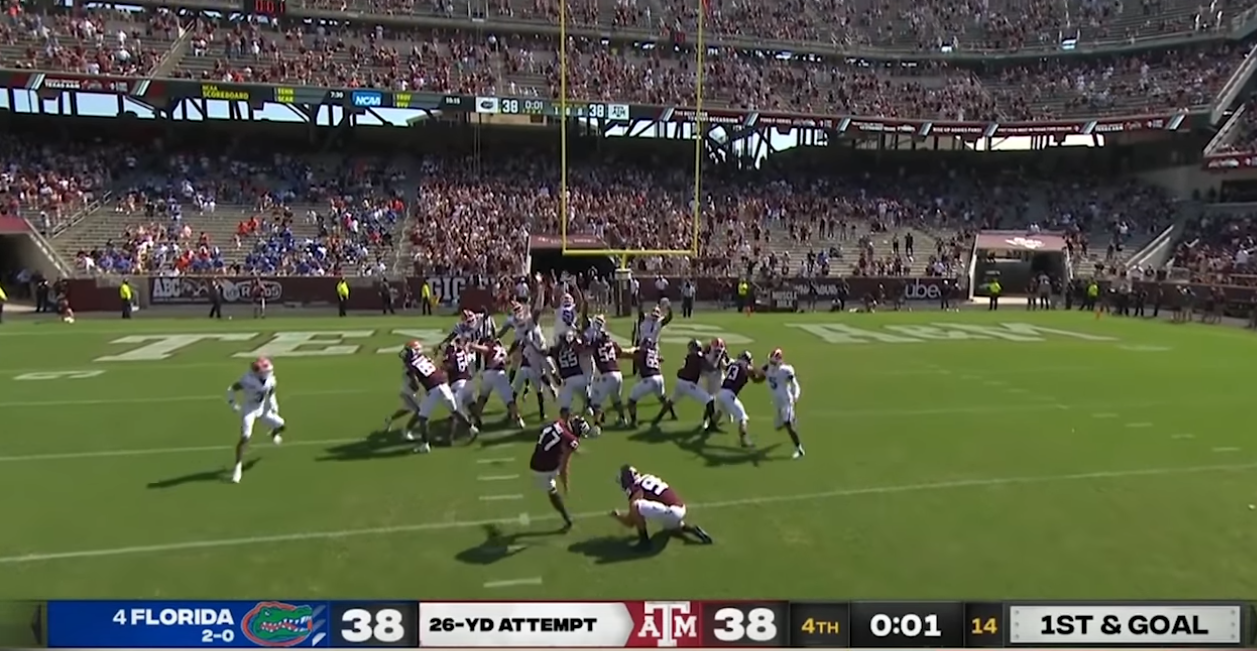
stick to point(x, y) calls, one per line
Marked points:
point(700, 60)
point(622, 256)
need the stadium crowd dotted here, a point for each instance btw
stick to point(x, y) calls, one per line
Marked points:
point(280, 215)
point(916, 25)
point(482, 61)
point(1221, 243)
point(98, 41)
point(284, 214)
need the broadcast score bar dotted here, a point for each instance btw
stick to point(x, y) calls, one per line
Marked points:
point(861, 624)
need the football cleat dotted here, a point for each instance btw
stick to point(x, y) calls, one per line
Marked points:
point(776, 357)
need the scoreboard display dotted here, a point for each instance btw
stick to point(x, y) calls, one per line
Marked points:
point(621, 624)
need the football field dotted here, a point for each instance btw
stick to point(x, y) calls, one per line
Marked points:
point(974, 455)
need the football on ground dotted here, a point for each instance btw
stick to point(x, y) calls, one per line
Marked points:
point(1035, 455)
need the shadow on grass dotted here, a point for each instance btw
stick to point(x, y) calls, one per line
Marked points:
point(219, 475)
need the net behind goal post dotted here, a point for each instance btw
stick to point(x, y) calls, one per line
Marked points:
point(623, 255)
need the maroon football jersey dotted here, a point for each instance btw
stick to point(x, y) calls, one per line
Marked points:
point(648, 362)
point(496, 358)
point(422, 370)
point(606, 356)
point(457, 364)
point(655, 489)
point(553, 447)
point(567, 359)
point(692, 368)
point(735, 377)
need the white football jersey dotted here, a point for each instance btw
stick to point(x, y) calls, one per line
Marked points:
point(519, 325)
point(535, 338)
point(257, 391)
point(780, 379)
point(565, 318)
point(650, 328)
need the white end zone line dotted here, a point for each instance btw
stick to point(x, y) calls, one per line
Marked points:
point(218, 543)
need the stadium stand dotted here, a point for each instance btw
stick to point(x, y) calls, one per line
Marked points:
point(246, 212)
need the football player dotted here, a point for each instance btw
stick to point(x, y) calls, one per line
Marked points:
point(649, 377)
point(714, 372)
point(573, 381)
point(493, 380)
point(551, 461)
point(420, 372)
point(458, 365)
point(687, 386)
point(784, 386)
point(650, 324)
point(609, 382)
point(467, 327)
point(534, 368)
point(565, 317)
point(258, 387)
point(740, 371)
point(652, 500)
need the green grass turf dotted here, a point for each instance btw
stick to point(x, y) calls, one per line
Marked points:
point(1114, 466)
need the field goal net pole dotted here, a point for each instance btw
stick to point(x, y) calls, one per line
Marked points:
point(623, 273)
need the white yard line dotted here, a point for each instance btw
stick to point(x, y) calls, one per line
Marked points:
point(837, 414)
point(497, 477)
point(140, 400)
point(219, 543)
point(513, 583)
point(1226, 449)
point(501, 498)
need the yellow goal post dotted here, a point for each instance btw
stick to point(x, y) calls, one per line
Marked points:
point(623, 255)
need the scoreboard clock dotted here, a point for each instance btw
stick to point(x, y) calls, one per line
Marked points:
point(268, 8)
point(907, 624)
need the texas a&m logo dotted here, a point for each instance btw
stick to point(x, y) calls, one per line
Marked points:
point(667, 624)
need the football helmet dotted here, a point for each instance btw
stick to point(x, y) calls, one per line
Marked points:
point(262, 367)
point(627, 477)
point(579, 426)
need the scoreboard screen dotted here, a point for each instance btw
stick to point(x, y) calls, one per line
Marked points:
point(621, 624)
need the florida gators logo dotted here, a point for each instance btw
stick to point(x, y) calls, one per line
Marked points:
point(277, 624)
